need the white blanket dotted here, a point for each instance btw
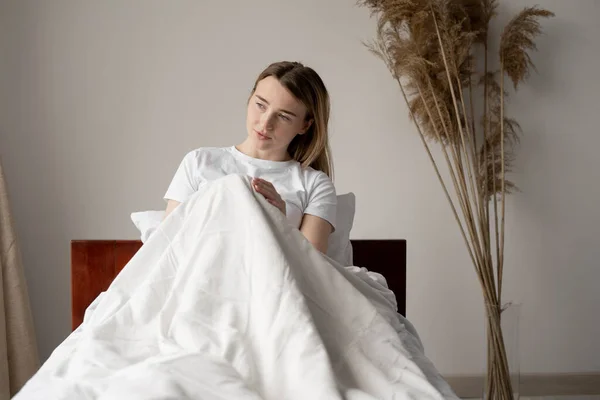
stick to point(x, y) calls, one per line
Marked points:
point(228, 301)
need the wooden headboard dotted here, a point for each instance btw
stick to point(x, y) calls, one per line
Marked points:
point(95, 263)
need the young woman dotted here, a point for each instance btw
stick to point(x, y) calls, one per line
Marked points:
point(286, 152)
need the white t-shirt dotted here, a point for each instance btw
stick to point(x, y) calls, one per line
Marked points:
point(305, 190)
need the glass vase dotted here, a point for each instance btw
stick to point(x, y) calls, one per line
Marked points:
point(494, 386)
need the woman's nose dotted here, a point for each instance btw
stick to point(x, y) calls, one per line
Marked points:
point(266, 121)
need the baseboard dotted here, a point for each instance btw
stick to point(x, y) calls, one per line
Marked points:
point(534, 385)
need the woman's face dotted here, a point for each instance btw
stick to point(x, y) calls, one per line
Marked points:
point(274, 116)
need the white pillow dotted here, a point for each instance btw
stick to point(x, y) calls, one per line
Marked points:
point(339, 247)
point(147, 222)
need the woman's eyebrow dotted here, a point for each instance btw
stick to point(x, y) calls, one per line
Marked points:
point(285, 111)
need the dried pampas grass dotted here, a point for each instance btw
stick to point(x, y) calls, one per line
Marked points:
point(516, 39)
point(429, 47)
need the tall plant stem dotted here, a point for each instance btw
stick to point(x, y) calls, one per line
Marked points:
point(485, 195)
point(437, 171)
point(461, 189)
point(503, 182)
point(472, 169)
point(476, 239)
point(458, 182)
point(496, 331)
point(453, 175)
point(495, 200)
point(472, 114)
point(471, 138)
point(469, 148)
point(483, 226)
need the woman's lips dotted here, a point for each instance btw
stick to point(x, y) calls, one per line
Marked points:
point(261, 136)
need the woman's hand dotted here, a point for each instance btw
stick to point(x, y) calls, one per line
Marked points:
point(268, 190)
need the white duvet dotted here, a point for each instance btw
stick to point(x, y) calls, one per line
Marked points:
point(228, 301)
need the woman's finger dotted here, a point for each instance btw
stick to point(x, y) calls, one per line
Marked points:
point(264, 183)
point(260, 183)
point(267, 194)
point(271, 192)
point(261, 187)
point(267, 189)
point(257, 184)
point(272, 189)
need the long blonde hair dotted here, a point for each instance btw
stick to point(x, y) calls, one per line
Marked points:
point(311, 149)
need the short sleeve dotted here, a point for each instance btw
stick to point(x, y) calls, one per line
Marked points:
point(322, 199)
point(184, 183)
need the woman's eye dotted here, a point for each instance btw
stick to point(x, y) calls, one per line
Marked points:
point(285, 117)
point(260, 105)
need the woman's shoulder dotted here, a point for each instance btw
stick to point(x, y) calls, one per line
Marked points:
point(316, 180)
point(316, 176)
point(205, 154)
point(199, 151)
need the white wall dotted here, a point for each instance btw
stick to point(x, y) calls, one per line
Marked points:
point(100, 100)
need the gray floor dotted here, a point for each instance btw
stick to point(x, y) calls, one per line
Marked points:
point(594, 397)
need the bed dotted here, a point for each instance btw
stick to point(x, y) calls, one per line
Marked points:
point(95, 263)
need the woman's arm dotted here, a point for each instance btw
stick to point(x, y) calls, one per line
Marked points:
point(317, 231)
point(171, 205)
point(184, 182)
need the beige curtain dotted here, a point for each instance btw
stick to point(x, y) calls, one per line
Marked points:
point(18, 348)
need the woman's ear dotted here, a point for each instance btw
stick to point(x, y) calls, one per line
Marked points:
point(307, 125)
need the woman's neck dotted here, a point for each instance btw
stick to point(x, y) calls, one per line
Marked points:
point(270, 155)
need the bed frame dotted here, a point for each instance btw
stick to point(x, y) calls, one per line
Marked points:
point(95, 263)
